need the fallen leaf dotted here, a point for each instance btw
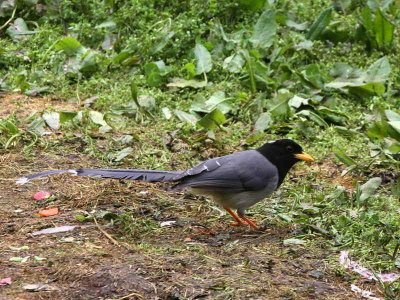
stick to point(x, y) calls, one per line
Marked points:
point(41, 195)
point(19, 259)
point(167, 223)
point(19, 248)
point(5, 281)
point(346, 262)
point(38, 258)
point(48, 212)
point(54, 230)
point(288, 242)
point(34, 287)
point(364, 294)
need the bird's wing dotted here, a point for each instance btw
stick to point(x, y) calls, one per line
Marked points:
point(238, 172)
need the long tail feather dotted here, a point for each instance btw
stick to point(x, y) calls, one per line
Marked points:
point(129, 174)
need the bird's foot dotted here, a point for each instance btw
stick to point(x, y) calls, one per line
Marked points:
point(250, 222)
point(247, 221)
point(205, 232)
point(238, 223)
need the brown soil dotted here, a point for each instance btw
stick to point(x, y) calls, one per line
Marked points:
point(145, 261)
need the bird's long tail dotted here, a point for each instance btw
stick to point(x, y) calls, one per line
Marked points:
point(129, 174)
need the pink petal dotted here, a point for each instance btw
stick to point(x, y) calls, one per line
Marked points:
point(5, 281)
point(41, 195)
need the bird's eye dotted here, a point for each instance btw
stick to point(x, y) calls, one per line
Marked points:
point(289, 148)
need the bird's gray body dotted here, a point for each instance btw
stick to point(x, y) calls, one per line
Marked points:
point(237, 181)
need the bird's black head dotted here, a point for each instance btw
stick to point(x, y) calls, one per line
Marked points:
point(284, 154)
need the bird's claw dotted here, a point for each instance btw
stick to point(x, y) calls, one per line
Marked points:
point(237, 224)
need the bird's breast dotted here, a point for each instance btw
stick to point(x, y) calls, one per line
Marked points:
point(241, 200)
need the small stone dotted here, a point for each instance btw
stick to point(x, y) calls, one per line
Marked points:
point(317, 274)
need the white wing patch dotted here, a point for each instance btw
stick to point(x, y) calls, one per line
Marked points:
point(22, 180)
point(73, 172)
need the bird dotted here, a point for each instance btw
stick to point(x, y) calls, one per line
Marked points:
point(236, 181)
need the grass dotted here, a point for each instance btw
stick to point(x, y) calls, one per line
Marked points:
point(309, 201)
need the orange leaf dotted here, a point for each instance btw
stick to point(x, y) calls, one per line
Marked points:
point(48, 212)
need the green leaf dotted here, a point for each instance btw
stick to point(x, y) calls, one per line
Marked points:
point(19, 30)
point(37, 126)
point(52, 119)
point(66, 116)
point(166, 112)
point(253, 4)
point(134, 95)
point(395, 125)
point(147, 102)
point(211, 120)
point(250, 70)
point(263, 122)
point(396, 193)
point(120, 155)
point(319, 24)
point(279, 105)
point(107, 24)
point(97, 117)
point(378, 130)
point(368, 90)
point(264, 30)
point(313, 117)
point(218, 100)
point(69, 46)
point(379, 71)
point(392, 115)
point(88, 62)
point(343, 157)
point(298, 26)
point(162, 43)
point(362, 84)
point(11, 128)
point(384, 30)
point(285, 218)
point(234, 63)
point(204, 62)
point(190, 69)
point(126, 58)
point(81, 218)
point(153, 76)
point(312, 76)
point(368, 188)
point(134, 92)
point(366, 17)
point(343, 70)
point(255, 137)
point(183, 116)
point(182, 83)
point(394, 147)
point(298, 101)
point(333, 116)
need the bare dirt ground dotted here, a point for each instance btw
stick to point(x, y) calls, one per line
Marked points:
point(144, 261)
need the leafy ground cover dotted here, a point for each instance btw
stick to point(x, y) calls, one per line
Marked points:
point(166, 84)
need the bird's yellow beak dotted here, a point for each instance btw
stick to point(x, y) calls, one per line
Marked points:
point(304, 156)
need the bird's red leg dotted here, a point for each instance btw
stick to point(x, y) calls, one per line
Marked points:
point(250, 222)
point(238, 221)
